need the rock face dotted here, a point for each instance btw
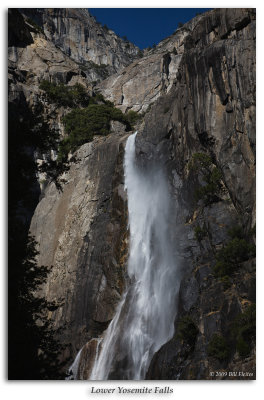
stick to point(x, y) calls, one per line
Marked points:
point(210, 108)
point(33, 58)
point(82, 234)
point(139, 85)
point(97, 49)
point(200, 84)
point(211, 105)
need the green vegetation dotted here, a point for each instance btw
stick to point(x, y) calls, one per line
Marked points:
point(244, 330)
point(242, 347)
point(187, 330)
point(218, 347)
point(91, 115)
point(140, 53)
point(180, 25)
point(200, 161)
point(132, 117)
point(231, 255)
point(200, 232)
point(212, 186)
point(63, 95)
point(33, 352)
point(236, 232)
point(42, 350)
point(99, 98)
point(238, 249)
point(82, 124)
point(101, 69)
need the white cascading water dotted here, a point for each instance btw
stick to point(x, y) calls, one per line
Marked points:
point(73, 370)
point(144, 318)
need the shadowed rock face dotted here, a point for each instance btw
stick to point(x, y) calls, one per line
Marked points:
point(18, 32)
point(210, 108)
point(201, 85)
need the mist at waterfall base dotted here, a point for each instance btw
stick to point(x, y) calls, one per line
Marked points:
point(144, 318)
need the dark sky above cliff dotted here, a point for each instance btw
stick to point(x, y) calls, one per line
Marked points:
point(144, 26)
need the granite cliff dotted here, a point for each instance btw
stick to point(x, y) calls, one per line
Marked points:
point(210, 109)
point(97, 49)
point(196, 93)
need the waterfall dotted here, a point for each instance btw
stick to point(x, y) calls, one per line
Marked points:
point(144, 318)
point(73, 370)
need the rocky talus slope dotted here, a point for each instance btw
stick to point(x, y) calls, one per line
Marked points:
point(196, 93)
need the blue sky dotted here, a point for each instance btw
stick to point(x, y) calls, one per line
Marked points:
point(144, 26)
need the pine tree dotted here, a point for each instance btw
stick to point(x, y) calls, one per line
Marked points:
point(33, 350)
